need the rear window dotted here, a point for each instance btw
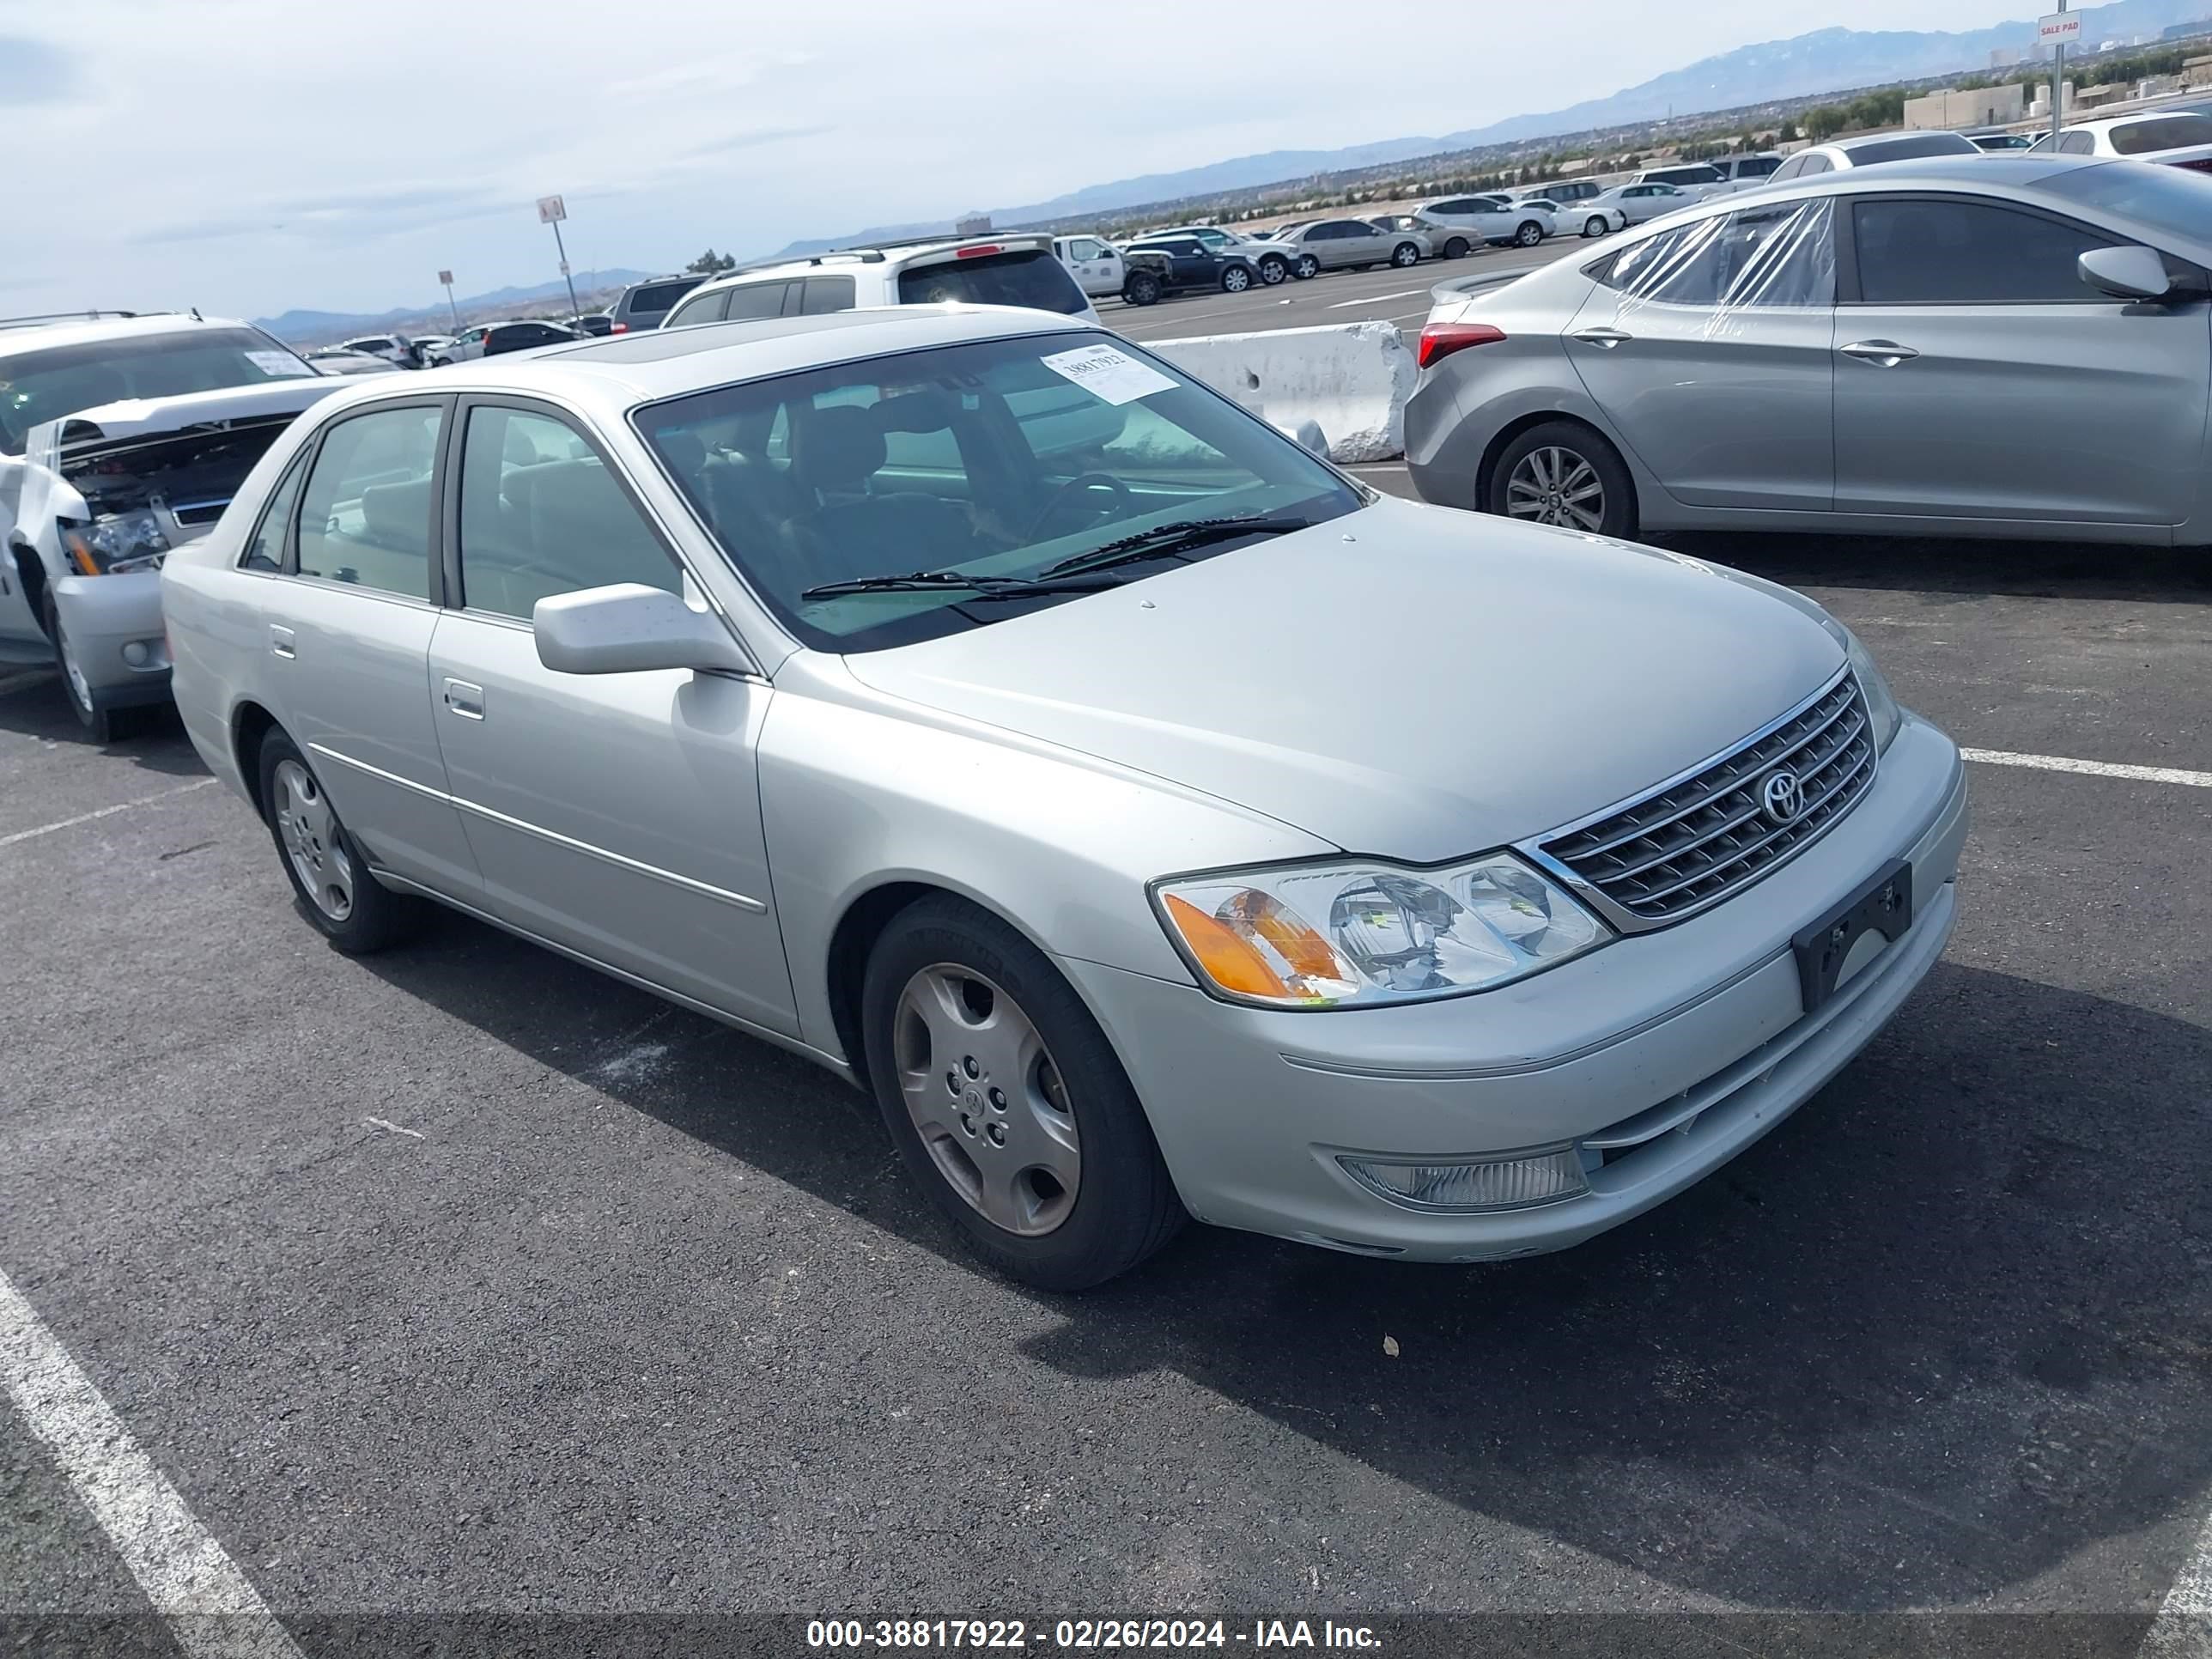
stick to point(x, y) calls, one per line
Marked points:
point(2172, 199)
point(1031, 277)
point(37, 386)
point(2165, 132)
point(659, 296)
point(1905, 149)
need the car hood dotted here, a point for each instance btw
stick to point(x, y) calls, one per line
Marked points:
point(1410, 682)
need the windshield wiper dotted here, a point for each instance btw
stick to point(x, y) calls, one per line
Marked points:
point(984, 587)
point(1166, 540)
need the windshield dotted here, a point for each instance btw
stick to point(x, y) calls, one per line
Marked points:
point(998, 459)
point(39, 386)
point(1031, 276)
point(2165, 132)
point(2172, 199)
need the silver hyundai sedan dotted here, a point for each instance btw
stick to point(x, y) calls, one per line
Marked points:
point(1154, 820)
point(1989, 346)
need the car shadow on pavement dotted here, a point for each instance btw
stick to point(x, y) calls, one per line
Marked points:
point(151, 738)
point(1942, 1334)
point(2040, 570)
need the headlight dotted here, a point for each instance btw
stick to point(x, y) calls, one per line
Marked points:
point(1354, 935)
point(1881, 706)
point(115, 543)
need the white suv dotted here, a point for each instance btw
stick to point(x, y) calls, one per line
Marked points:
point(121, 438)
point(995, 270)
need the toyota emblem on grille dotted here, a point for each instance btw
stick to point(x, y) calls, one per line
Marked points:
point(1781, 797)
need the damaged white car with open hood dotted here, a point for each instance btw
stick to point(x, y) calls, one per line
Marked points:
point(123, 437)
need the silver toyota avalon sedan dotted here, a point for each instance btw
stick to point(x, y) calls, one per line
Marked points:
point(1987, 346)
point(1154, 820)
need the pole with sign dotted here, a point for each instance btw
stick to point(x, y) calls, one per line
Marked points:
point(2055, 31)
point(551, 210)
point(447, 278)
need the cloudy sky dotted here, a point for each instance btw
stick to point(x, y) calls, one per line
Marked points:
point(250, 155)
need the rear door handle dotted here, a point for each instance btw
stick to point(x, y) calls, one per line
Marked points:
point(1608, 337)
point(464, 700)
point(280, 640)
point(1883, 354)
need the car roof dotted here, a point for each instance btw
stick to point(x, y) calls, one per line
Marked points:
point(615, 373)
point(1868, 140)
point(38, 336)
point(876, 256)
point(2106, 123)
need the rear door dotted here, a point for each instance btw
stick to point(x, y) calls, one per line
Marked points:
point(345, 625)
point(1979, 377)
point(1709, 348)
point(617, 815)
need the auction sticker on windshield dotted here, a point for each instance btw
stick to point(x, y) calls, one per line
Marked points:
point(278, 362)
point(1105, 372)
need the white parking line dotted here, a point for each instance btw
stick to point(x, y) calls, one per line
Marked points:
point(104, 812)
point(197, 1590)
point(2183, 1628)
point(2091, 769)
point(1377, 299)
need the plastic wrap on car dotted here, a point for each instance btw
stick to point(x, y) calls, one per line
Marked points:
point(1761, 256)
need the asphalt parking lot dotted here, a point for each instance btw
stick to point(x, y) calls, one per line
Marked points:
point(462, 1278)
point(1387, 295)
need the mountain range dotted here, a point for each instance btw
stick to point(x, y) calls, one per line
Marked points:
point(309, 327)
point(1826, 60)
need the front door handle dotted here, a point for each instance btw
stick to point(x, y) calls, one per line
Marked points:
point(280, 640)
point(1608, 337)
point(464, 700)
point(1883, 354)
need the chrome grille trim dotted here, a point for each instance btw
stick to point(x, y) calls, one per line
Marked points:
point(1670, 852)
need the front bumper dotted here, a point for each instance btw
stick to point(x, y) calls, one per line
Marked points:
point(1689, 1043)
point(109, 619)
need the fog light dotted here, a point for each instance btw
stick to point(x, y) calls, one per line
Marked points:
point(1510, 1183)
point(136, 653)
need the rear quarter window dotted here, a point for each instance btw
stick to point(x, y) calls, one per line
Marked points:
point(1028, 276)
point(659, 296)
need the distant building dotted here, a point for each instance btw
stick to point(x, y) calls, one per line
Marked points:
point(2188, 31)
point(2004, 57)
point(1974, 106)
point(972, 224)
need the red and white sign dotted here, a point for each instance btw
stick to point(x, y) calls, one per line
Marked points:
point(2061, 28)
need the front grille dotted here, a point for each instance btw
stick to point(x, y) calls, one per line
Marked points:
point(1693, 843)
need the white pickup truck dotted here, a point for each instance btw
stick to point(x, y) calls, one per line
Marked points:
point(1095, 262)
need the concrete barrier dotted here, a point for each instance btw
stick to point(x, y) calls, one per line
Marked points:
point(1351, 380)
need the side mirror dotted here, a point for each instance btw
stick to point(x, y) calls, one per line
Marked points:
point(629, 628)
point(2126, 273)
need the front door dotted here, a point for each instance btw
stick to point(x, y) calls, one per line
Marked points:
point(1709, 348)
point(616, 814)
point(345, 622)
point(1966, 319)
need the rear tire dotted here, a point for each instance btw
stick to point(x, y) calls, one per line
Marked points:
point(331, 880)
point(1530, 234)
point(934, 1067)
point(1142, 288)
point(1274, 270)
point(1405, 254)
point(1457, 248)
point(1541, 477)
point(1307, 268)
point(1595, 225)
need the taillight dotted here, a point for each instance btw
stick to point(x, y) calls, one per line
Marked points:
point(619, 328)
point(1440, 340)
point(978, 251)
point(2204, 164)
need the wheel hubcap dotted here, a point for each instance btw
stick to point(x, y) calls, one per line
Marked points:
point(986, 1100)
point(314, 841)
point(1556, 486)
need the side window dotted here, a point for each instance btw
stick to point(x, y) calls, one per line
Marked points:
point(1082, 247)
point(365, 511)
point(1788, 169)
point(540, 516)
point(707, 308)
point(264, 548)
point(1782, 255)
point(826, 293)
point(1818, 164)
point(756, 299)
point(2077, 143)
point(1948, 252)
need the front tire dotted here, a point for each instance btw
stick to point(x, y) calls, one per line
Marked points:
point(1595, 225)
point(1563, 473)
point(101, 725)
point(1405, 254)
point(1457, 248)
point(329, 879)
point(1007, 1104)
point(1236, 280)
point(1274, 270)
point(1307, 268)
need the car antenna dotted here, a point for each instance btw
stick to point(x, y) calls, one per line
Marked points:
point(196, 315)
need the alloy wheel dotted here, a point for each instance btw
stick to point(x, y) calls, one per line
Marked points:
point(1309, 266)
point(987, 1099)
point(314, 841)
point(1558, 487)
point(1405, 254)
point(1274, 271)
point(1235, 280)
